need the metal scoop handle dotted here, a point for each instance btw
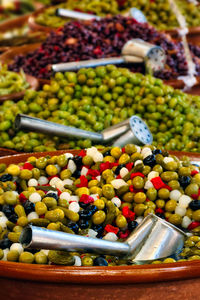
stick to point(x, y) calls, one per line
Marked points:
point(75, 66)
point(38, 125)
point(154, 238)
point(67, 13)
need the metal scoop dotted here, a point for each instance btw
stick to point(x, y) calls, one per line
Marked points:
point(67, 13)
point(134, 51)
point(132, 130)
point(153, 239)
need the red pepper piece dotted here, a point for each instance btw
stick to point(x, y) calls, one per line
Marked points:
point(22, 198)
point(123, 150)
point(194, 172)
point(110, 228)
point(104, 166)
point(129, 166)
point(93, 173)
point(193, 225)
point(86, 199)
point(159, 211)
point(28, 166)
point(83, 183)
point(128, 214)
point(82, 153)
point(59, 192)
point(137, 174)
point(97, 51)
point(195, 196)
point(118, 177)
point(158, 183)
point(124, 235)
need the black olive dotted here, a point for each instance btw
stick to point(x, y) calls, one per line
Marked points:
point(29, 207)
point(107, 153)
point(73, 226)
point(8, 210)
point(83, 224)
point(132, 225)
point(117, 170)
point(85, 214)
point(157, 151)
point(194, 204)
point(100, 261)
point(78, 161)
point(92, 208)
point(84, 205)
point(52, 195)
point(150, 160)
point(13, 218)
point(184, 181)
point(98, 228)
point(6, 177)
point(160, 215)
point(5, 243)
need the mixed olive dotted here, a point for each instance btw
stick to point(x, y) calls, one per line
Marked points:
point(100, 194)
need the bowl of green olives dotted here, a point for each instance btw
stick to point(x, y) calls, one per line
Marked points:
point(43, 189)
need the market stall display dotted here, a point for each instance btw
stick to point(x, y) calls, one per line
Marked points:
point(98, 39)
point(158, 12)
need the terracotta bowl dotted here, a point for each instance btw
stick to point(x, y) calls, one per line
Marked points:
point(170, 281)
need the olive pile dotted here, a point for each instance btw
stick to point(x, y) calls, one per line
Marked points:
point(94, 99)
point(97, 193)
point(158, 12)
point(11, 82)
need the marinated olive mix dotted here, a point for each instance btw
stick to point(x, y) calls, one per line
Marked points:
point(100, 194)
point(158, 12)
point(11, 82)
point(99, 39)
point(94, 99)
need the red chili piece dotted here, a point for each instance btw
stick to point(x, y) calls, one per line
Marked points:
point(193, 225)
point(104, 166)
point(159, 211)
point(194, 172)
point(82, 153)
point(28, 166)
point(129, 166)
point(22, 198)
point(137, 174)
point(86, 199)
point(83, 183)
point(128, 214)
point(159, 184)
point(110, 228)
point(93, 173)
point(124, 235)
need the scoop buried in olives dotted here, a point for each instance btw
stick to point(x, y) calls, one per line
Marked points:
point(132, 130)
point(134, 51)
point(152, 234)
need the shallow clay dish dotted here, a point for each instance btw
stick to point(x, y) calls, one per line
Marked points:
point(170, 281)
point(33, 84)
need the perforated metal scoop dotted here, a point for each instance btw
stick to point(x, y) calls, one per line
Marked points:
point(132, 130)
point(134, 51)
point(153, 239)
point(67, 13)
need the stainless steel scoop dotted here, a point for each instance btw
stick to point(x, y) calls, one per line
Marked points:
point(132, 130)
point(67, 13)
point(134, 51)
point(153, 239)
